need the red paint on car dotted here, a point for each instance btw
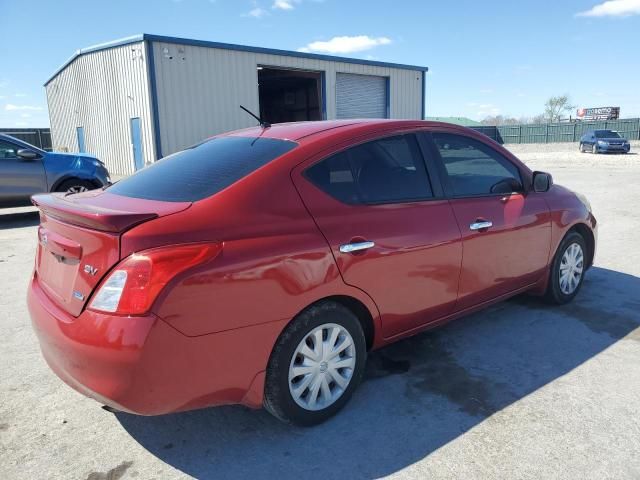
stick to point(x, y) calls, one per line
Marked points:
point(172, 300)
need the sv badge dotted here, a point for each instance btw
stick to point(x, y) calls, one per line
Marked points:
point(90, 269)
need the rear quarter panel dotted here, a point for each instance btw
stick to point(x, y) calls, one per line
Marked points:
point(274, 261)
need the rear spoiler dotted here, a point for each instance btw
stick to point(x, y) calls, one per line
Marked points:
point(88, 214)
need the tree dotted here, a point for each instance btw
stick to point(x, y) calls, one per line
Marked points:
point(556, 106)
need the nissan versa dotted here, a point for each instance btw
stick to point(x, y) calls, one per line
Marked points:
point(259, 267)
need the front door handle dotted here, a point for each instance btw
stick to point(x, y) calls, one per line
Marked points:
point(481, 225)
point(357, 246)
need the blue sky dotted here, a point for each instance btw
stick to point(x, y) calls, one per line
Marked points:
point(485, 57)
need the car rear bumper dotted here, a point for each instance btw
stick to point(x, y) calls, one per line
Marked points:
point(143, 365)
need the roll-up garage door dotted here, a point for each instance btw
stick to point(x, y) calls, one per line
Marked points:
point(361, 96)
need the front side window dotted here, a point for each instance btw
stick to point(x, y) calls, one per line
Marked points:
point(474, 168)
point(202, 170)
point(382, 171)
point(8, 150)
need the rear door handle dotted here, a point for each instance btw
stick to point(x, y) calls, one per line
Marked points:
point(480, 225)
point(357, 246)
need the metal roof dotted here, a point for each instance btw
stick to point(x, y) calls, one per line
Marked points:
point(227, 46)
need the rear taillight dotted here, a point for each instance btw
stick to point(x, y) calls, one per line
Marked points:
point(132, 287)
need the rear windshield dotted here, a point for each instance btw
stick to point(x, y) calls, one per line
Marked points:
point(606, 134)
point(202, 170)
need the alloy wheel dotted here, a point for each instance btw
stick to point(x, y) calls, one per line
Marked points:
point(77, 189)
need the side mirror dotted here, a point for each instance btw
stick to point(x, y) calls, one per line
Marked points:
point(542, 181)
point(27, 154)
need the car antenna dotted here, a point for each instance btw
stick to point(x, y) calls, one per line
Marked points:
point(260, 121)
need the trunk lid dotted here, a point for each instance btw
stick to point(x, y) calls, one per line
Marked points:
point(79, 240)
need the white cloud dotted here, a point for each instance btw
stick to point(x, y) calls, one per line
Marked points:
point(11, 107)
point(21, 124)
point(20, 95)
point(613, 8)
point(256, 13)
point(346, 44)
point(283, 4)
point(486, 109)
point(25, 115)
point(486, 90)
point(4, 83)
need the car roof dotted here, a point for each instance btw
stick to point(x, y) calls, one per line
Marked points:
point(297, 131)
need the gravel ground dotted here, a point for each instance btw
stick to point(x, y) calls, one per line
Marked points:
point(521, 390)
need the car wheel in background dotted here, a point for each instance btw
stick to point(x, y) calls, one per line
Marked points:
point(567, 270)
point(594, 148)
point(316, 364)
point(75, 185)
point(581, 147)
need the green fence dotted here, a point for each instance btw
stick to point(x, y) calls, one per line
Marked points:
point(559, 132)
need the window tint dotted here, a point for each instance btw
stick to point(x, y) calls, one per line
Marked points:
point(202, 170)
point(382, 171)
point(8, 150)
point(606, 134)
point(474, 168)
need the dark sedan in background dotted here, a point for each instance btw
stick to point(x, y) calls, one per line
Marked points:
point(604, 141)
point(26, 170)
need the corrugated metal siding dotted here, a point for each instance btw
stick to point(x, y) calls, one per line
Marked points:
point(101, 91)
point(361, 96)
point(200, 89)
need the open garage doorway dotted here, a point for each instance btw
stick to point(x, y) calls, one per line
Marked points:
point(288, 95)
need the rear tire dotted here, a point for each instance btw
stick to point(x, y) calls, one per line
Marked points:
point(567, 270)
point(75, 185)
point(307, 382)
point(581, 148)
point(594, 149)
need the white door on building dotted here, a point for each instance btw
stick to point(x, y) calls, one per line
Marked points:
point(361, 96)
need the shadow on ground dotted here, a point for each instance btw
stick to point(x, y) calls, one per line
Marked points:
point(419, 394)
point(19, 219)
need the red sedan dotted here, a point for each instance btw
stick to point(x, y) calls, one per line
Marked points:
point(259, 267)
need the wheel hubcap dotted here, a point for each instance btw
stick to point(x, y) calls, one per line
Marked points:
point(77, 189)
point(322, 367)
point(571, 268)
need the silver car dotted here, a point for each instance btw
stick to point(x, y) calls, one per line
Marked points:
point(26, 170)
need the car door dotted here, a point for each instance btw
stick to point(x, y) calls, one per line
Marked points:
point(19, 178)
point(391, 231)
point(506, 231)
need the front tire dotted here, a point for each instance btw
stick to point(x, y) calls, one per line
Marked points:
point(316, 364)
point(594, 148)
point(75, 185)
point(567, 270)
point(581, 148)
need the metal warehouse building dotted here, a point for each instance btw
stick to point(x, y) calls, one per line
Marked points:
point(135, 100)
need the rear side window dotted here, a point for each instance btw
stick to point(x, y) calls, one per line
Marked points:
point(389, 170)
point(202, 170)
point(474, 168)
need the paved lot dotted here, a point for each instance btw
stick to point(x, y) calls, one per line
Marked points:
point(521, 390)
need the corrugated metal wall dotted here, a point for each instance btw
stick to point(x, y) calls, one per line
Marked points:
point(559, 132)
point(101, 91)
point(200, 89)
